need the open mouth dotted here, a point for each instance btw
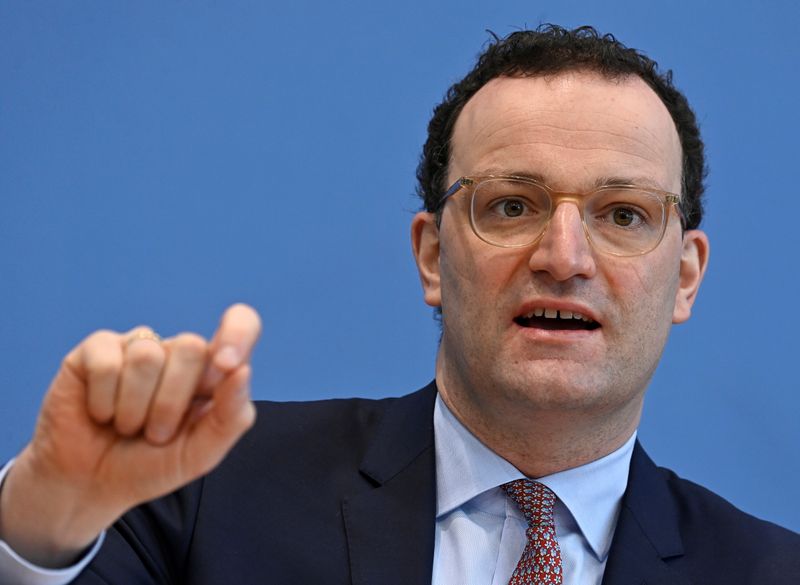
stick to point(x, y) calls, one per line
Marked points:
point(553, 320)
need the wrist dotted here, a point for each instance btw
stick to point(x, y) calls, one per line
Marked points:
point(44, 519)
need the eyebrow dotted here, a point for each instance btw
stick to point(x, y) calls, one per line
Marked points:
point(524, 174)
point(618, 181)
point(609, 181)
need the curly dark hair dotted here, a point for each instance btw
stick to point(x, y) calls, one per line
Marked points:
point(550, 50)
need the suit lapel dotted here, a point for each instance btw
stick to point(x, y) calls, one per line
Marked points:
point(390, 527)
point(647, 547)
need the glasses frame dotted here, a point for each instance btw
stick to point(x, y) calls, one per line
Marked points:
point(668, 200)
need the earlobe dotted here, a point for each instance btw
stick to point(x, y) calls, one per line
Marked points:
point(694, 260)
point(425, 244)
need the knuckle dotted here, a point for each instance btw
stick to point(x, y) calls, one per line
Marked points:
point(100, 347)
point(145, 356)
point(101, 343)
point(103, 336)
point(105, 365)
point(189, 347)
point(102, 365)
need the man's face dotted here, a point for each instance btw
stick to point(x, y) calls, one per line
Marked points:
point(575, 132)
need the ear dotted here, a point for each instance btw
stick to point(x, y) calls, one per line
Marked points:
point(425, 243)
point(694, 260)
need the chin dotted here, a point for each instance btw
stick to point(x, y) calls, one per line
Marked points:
point(559, 386)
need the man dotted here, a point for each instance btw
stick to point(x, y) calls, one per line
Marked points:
point(562, 181)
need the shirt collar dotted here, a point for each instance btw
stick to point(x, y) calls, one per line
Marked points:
point(466, 468)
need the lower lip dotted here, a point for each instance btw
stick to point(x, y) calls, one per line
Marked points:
point(557, 335)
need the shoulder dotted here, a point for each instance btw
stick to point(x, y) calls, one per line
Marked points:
point(333, 415)
point(713, 528)
point(328, 436)
point(701, 509)
point(333, 421)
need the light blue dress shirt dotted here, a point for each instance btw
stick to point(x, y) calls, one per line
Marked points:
point(480, 533)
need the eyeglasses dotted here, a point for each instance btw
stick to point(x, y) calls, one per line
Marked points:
point(513, 212)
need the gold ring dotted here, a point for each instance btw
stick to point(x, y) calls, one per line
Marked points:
point(144, 334)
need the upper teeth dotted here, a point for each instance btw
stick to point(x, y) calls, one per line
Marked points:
point(556, 314)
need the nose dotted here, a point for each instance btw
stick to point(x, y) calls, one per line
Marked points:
point(563, 250)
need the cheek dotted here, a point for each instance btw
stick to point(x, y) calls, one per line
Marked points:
point(650, 279)
point(475, 273)
point(645, 294)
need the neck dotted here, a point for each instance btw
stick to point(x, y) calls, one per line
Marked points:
point(538, 439)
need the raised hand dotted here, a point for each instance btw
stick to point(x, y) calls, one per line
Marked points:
point(127, 418)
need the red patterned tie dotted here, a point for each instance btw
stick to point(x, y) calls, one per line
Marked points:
point(540, 563)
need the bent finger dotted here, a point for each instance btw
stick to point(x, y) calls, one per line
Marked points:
point(144, 358)
point(186, 362)
point(100, 362)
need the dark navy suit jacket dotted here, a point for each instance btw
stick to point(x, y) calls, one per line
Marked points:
point(344, 492)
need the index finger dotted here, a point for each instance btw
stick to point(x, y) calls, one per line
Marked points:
point(233, 342)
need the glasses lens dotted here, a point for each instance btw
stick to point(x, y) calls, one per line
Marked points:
point(509, 212)
point(624, 222)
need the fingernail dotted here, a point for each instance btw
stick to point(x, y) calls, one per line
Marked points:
point(227, 358)
point(160, 433)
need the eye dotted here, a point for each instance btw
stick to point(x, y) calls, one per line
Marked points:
point(511, 208)
point(623, 216)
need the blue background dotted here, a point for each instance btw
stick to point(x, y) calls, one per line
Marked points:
point(160, 160)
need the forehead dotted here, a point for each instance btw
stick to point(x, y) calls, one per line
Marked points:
point(572, 129)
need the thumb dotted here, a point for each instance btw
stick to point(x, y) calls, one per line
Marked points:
point(232, 344)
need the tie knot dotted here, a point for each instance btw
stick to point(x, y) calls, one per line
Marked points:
point(535, 500)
